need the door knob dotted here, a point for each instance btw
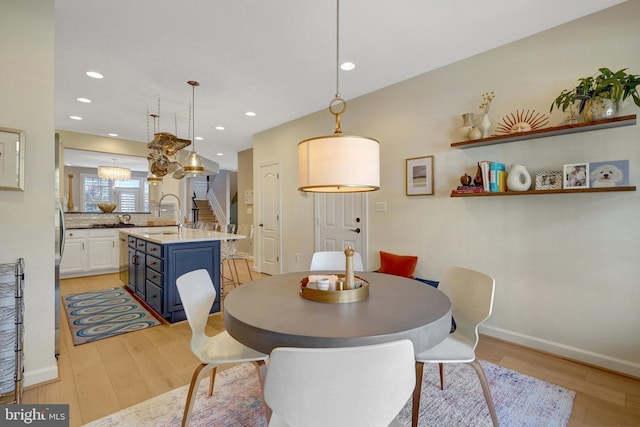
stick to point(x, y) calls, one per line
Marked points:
point(357, 230)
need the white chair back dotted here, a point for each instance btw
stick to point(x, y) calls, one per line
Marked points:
point(353, 386)
point(197, 294)
point(334, 260)
point(471, 294)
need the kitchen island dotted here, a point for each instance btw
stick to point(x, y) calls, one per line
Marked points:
point(157, 258)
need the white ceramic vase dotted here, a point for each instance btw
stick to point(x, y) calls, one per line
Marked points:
point(518, 178)
point(475, 133)
point(485, 125)
point(467, 125)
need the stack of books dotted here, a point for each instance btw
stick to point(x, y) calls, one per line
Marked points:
point(494, 179)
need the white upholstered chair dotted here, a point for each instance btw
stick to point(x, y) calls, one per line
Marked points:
point(334, 260)
point(471, 295)
point(350, 386)
point(197, 294)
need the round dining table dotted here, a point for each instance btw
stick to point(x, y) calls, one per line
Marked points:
point(270, 312)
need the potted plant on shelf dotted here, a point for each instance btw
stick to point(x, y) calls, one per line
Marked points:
point(600, 95)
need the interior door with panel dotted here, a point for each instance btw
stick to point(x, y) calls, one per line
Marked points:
point(268, 217)
point(341, 221)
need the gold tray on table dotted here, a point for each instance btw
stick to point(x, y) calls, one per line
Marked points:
point(334, 297)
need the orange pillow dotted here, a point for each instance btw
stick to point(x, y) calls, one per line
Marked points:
point(399, 265)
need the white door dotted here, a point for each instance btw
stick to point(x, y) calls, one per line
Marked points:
point(268, 217)
point(341, 220)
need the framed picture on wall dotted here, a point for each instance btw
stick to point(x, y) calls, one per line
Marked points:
point(612, 173)
point(419, 176)
point(549, 180)
point(11, 159)
point(575, 175)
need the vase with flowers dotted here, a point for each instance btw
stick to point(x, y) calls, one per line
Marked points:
point(485, 122)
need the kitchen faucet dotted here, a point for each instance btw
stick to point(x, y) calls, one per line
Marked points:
point(180, 224)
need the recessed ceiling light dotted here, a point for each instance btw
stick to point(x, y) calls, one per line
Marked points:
point(112, 134)
point(220, 127)
point(85, 100)
point(75, 117)
point(220, 154)
point(94, 74)
point(250, 113)
point(347, 66)
point(199, 138)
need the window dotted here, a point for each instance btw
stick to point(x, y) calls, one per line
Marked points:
point(131, 195)
point(96, 190)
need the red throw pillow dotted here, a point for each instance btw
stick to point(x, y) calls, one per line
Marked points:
point(399, 265)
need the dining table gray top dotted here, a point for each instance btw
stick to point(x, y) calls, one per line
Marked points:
point(269, 313)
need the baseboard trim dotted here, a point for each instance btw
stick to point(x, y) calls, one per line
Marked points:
point(625, 367)
point(40, 376)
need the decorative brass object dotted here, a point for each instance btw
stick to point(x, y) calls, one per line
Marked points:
point(335, 297)
point(70, 200)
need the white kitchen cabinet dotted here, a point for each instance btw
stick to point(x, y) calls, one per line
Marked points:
point(74, 257)
point(88, 252)
point(103, 250)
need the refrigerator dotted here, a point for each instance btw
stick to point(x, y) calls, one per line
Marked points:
point(59, 242)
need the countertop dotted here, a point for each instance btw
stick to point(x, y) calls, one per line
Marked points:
point(183, 235)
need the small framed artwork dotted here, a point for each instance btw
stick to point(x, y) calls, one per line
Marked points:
point(575, 175)
point(11, 159)
point(613, 173)
point(419, 179)
point(549, 180)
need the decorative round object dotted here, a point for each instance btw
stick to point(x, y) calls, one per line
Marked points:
point(310, 291)
point(466, 180)
point(485, 125)
point(107, 207)
point(599, 109)
point(522, 122)
point(467, 125)
point(475, 133)
point(518, 178)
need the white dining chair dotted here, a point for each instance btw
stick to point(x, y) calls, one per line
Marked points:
point(350, 386)
point(471, 295)
point(334, 260)
point(198, 294)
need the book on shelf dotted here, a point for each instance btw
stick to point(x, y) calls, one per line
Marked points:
point(467, 189)
point(497, 177)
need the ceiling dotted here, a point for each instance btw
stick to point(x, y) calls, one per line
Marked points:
point(276, 58)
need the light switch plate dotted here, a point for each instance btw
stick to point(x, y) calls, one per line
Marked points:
point(381, 206)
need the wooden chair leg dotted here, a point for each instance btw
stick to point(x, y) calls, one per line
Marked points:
point(485, 389)
point(441, 365)
point(198, 374)
point(417, 390)
point(212, 381)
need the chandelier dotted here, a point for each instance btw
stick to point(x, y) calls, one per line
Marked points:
point(338, 163)
point(114, 172)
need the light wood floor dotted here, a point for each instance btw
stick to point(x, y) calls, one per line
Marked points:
point(102, 377)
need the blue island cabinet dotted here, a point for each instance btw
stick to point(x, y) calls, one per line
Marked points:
point(157, 266)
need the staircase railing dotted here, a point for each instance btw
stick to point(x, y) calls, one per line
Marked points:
point(216, 207)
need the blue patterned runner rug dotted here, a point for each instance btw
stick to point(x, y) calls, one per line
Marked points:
point(105, 313)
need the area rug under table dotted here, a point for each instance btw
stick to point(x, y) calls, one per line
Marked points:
point(520, 400)
point(105, 313)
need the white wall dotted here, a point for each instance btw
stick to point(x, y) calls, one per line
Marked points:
point(566, 266)
point(27, 218)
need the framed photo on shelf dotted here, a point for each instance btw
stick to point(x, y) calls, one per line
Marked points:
point(419, 176)
point(575, 175)
point(612, 173)
point(549, 180)
point(11, 159)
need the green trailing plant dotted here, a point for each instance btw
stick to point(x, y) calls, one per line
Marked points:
point(616, 86)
